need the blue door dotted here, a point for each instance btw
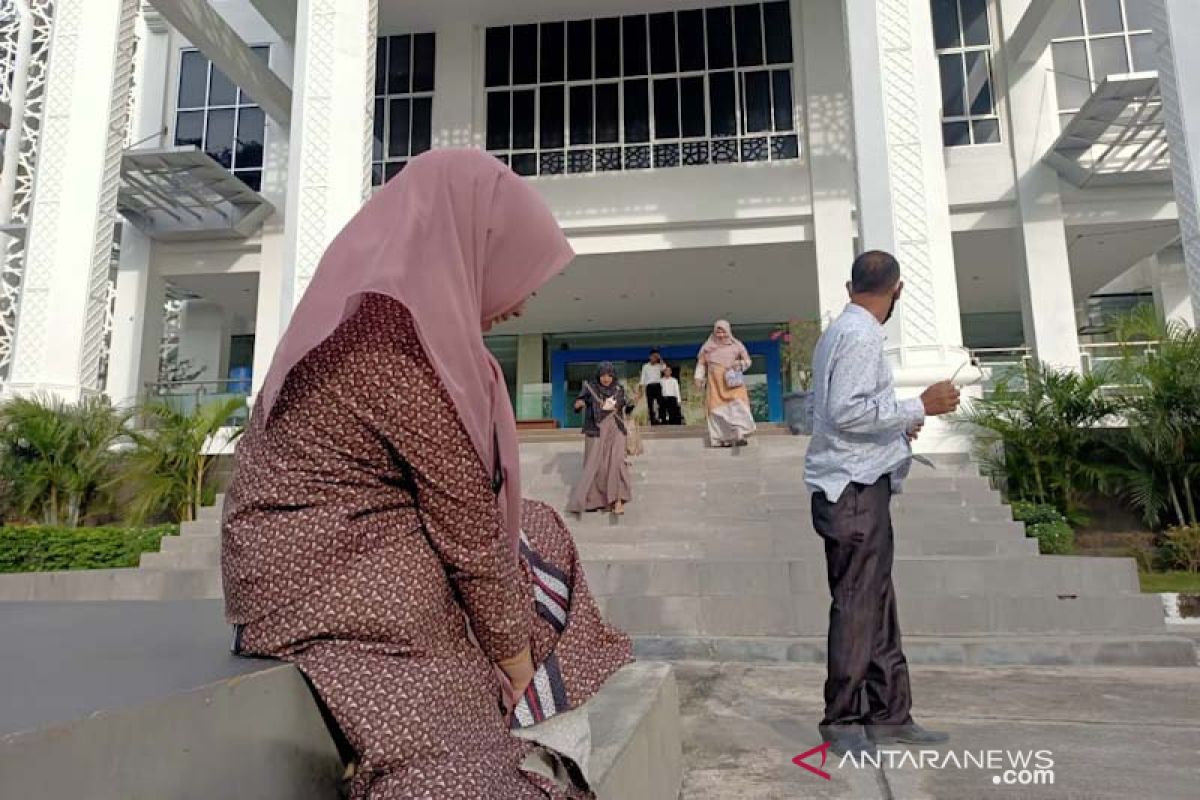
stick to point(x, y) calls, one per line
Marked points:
point(569, 368)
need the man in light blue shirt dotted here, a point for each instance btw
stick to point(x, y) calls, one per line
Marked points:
point(859, 456)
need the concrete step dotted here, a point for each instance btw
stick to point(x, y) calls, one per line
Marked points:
point(1020, 577)
point(935, 615)
point(782, 577)
point(608, 527)
point(1117, 649)
point(111, 584)
point(793, 547)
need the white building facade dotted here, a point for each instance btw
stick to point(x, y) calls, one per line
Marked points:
point(174, 169)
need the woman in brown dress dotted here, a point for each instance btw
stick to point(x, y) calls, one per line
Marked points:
point(604, 484)
point(374, 533)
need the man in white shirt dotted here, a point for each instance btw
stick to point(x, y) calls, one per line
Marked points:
point(672, 409)
point(652, 386)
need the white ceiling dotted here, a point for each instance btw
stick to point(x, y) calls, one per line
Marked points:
point(236, 292)
point(676, 288)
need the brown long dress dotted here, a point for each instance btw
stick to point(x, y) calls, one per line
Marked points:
point(361, 534)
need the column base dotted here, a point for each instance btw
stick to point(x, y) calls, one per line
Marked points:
point(918, 367)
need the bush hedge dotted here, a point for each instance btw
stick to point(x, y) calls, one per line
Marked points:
point(43, 549)
point(1046, 524)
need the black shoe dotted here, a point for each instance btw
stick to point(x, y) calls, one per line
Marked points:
point(847, 739)
point(912, 733)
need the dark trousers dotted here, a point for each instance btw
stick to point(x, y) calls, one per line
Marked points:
point(654, 402)
point(672, 413)
point(867, 680)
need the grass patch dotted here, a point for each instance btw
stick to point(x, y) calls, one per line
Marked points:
point(1177, 581)
point(43, 549)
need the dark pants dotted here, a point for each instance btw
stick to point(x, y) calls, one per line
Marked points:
point(867, 679)
point(672, 413)
point(654, 403)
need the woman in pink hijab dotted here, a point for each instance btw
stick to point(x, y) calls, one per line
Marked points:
point(720, 368)
point(374, 532)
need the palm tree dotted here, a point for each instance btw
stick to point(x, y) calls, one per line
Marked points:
point(169, 465)
point(1036, 432)
point(56, 457)
point(1160, 466)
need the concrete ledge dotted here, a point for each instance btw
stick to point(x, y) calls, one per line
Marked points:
point(637, 751)
point(258, 736)
point(100, 701)
point(985, 651)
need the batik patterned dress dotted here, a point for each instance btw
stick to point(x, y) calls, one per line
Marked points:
point(362, 541)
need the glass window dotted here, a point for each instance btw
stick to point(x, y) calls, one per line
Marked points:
point(644, 91)
point(404, 98)
point(1100, 38)
point(1104, 16)
point(214, 116)
point(1072, 73)
point(962, 37)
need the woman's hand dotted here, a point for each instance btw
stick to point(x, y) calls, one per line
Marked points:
point(579, 405)
point(519, 670)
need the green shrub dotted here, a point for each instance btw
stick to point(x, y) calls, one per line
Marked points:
point(1036, 513)
point(1046, 524)
point(40, 549)
point(1054, 538)
point(1181, 549)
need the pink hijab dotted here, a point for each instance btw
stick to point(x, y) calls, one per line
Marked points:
point(724, 354)
point(459, 239)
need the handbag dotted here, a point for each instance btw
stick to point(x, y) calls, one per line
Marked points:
point(633, 438)
point(734, 378)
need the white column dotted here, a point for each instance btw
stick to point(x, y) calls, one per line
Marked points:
point(333, 105)
point(1176, 25)
point(903, 203)
point(271, 316)
point(138, 315)
point(530, 369)
point(204, 338)
point(60, 324)
point(823, 71)
point(1169, 282)
point(1047, 296)
point(458, 77)
point(137, 320)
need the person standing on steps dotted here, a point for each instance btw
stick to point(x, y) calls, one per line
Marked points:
point(651, 381)
point(858, 458)
point(605, 483)
point(672, 402)
point(720, 374)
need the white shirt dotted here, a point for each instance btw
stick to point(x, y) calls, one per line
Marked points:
point(670, 387)
point(651, 373)
point(858, 424)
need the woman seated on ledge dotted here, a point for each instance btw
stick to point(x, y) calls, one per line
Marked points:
point(374, 533)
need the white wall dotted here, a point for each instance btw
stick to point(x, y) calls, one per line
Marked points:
point(204, 338)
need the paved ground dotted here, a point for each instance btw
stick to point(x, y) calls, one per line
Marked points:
point(1111, 732)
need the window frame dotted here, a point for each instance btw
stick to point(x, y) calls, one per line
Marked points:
point(381, 167)
point(1086, 38)
point(962, 50)
point(237, 107)
point(678, 75)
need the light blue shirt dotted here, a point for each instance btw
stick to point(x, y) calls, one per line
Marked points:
point(859, 428)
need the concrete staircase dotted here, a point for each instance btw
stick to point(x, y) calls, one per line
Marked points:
point(716, 558)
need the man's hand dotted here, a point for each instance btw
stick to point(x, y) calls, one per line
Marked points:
point(913, 433)
point(940, 399)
